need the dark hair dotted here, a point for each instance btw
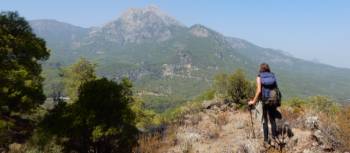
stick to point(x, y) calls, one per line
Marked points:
point(264, 68)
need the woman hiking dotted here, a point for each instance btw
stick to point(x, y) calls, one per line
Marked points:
point(266, 89)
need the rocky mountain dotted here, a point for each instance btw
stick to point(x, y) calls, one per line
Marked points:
point(137, 26)
point(170, 62)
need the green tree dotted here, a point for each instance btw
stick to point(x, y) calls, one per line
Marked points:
point(221, 85)
point(21, 55)
point(234, 88)
point(101, 120)
point(77, 74)
point(145, 118)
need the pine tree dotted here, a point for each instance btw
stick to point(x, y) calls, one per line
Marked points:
point(21, 55)
point(77, 74)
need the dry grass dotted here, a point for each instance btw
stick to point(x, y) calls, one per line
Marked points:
point(15, 148)
point(343, 122)
point(292, 115)
point(155, 143)
point(242, 149)
point(195, 119)
point(187, 148)
point(223, 118)
point(274, 150)
point(212, 131)
point(148, 143)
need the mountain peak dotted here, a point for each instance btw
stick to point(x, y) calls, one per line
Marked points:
point(199, 30)
point(139, 24)
point(151, 13)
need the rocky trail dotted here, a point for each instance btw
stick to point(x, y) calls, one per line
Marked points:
point(219, 128)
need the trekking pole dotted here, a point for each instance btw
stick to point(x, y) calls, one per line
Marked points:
point(251, 120)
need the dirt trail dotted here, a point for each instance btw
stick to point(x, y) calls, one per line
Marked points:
point(222, 129)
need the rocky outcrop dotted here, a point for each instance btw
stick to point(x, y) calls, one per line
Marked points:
point(199, 31)
point(139, 25)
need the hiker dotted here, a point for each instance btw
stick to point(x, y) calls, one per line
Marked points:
point(268, 94)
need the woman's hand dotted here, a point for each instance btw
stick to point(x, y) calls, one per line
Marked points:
point(251, 102)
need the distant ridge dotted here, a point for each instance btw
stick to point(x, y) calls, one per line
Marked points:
point(162, 55)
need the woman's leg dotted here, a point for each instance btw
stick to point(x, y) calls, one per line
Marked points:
point(272, 117)
point(265, 124)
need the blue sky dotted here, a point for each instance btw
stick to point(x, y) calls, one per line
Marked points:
point(308, 29)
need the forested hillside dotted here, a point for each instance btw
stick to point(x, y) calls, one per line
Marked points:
point(171, 62)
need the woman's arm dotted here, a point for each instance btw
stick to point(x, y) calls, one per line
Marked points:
point(257, 92)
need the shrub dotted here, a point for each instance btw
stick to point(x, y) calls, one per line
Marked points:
point(148, 143)
point(322, 104)
point(144, 118)
point(207, 95)
point(234, 88)
point(315, 104)
point(293, 108)
point(343, 120)
point(101, 118)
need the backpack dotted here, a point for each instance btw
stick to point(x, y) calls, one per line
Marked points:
point(270, 94)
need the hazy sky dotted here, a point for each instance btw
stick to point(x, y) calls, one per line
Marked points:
point(309, 29)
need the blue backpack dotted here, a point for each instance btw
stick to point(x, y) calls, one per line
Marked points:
point(270, 93)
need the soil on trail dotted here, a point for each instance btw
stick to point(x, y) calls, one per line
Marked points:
point(222, 129)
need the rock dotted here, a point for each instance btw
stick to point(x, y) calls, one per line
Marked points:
point(239, 125)
point(223, 107)
point(312, 122)
point(188, 137)
point(293, 142)
point(207, 104)
point(283, 128)
point(248, 147)
point(318, 135)
point(321, 139)
point(233, 106)
point(308, 151)
point(315, 144)
point(327, 148)
point(199, 31)
point(216, 108)
point(187, 122)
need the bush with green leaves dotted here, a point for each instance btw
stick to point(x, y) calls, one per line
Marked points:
point(101, 120)
point(322, 104)
point(21, 55)
point(234, 87)
point(144, 118)
point(77, 74)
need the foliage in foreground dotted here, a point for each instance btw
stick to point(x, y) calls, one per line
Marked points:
point(343, 120)
point(314, 104)
point(333, 116)
point(21, 54)
point(99, 121)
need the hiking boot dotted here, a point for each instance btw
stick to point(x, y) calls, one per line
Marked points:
point(266, 144)
point(274, 142)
